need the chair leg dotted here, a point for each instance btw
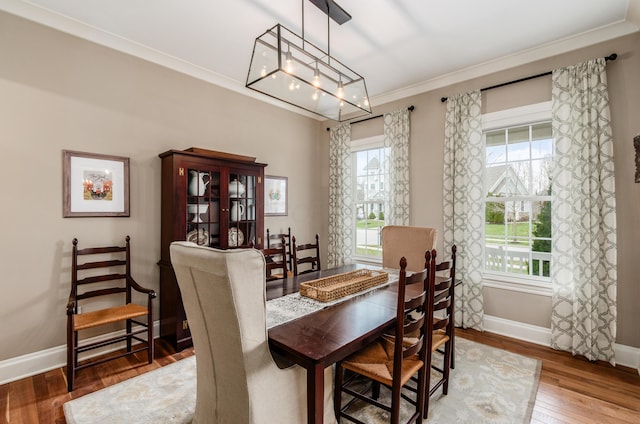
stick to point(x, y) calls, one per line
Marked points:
point(150, 341)
point(448, 355)
point(395, 402)
point(375, 389)
point(427, 386)
point(129, 338)
point(71, 366)
point(453, 347)
point(421, 393)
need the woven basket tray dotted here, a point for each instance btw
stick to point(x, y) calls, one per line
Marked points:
point(331, 288)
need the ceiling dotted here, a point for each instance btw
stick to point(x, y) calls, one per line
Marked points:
point(401, 47)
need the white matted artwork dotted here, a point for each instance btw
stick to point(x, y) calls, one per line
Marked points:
point(275, 196)
point(95, 185)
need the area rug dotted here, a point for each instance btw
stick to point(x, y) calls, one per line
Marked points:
point(488, 385)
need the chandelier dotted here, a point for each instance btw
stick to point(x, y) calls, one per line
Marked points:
point(287, 67)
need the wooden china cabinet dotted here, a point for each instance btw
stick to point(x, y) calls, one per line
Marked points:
point(210, 198)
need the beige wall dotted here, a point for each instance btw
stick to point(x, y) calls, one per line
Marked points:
point(427, 138)
point(59, 92)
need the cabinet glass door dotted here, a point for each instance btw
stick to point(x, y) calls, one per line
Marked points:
point(202, 218)
point(242, 209)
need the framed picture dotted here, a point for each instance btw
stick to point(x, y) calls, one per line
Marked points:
point(95, 185)
point(275, 196)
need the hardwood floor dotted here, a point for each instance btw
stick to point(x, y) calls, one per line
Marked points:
point(571, 390)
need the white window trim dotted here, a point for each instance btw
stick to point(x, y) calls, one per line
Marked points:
point(523, 284)
point(376, 141)
point(524, 115)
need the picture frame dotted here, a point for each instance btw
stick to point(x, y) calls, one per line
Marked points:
point(636, 146)
point(276, 197)
point(95, 185)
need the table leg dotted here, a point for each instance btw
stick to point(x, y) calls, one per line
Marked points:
point(315, 394)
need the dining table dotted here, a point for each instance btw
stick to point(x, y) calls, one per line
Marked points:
point(320, 339)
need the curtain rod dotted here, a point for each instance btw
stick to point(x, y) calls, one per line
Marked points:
point(611, 57)
point(410, 109)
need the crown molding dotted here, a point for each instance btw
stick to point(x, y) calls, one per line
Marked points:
point(544, 51)
point(82, 30)
point(104, 38)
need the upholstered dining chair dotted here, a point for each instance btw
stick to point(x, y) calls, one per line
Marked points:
point(408, 241)
point(393, 361)
point(238, 381)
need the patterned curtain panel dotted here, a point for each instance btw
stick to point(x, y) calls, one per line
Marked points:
point(463, 202)
point(396, 139)
point(584, 274)
point(340, 200)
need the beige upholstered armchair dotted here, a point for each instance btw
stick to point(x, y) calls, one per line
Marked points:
point(410, 242)
point(223, 292)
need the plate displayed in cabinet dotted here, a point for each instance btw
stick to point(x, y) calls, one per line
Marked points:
point(199, 237)
point(236, 237)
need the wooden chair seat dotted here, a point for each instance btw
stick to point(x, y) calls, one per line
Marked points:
point(376, 362)
point(107, 316)
point(440, 338)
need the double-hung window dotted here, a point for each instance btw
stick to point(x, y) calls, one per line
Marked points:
point(369, 158)
point(517, 185)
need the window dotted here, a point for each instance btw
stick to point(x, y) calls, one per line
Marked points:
point(368, 156)
point(517, 185)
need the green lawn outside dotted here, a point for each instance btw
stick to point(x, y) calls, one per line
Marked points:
point(495, 232)
point(369, 223)
point(373, 251)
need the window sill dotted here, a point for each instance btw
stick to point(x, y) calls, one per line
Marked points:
point(518, 284)
point(367, 261)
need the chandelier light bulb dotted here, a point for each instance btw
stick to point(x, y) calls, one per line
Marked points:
point(316, 77)
point(288, 59)
point(315, 95)
point(292, 85)
point(340, 92)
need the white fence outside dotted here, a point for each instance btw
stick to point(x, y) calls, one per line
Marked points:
point(519, 261)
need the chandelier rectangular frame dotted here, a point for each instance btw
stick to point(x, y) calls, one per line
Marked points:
point(289, 68)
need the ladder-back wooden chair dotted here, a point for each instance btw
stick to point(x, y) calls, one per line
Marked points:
point(307, 255)
point(275, 240)
point(104, 275)
point(392, 361)
point(276, 259)
point(441, 337)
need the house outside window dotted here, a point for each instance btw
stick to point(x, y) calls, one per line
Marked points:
point(368, 159)
point(519, 149)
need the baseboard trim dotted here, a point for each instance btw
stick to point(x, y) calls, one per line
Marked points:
point(625, 355)
point(45, 360)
